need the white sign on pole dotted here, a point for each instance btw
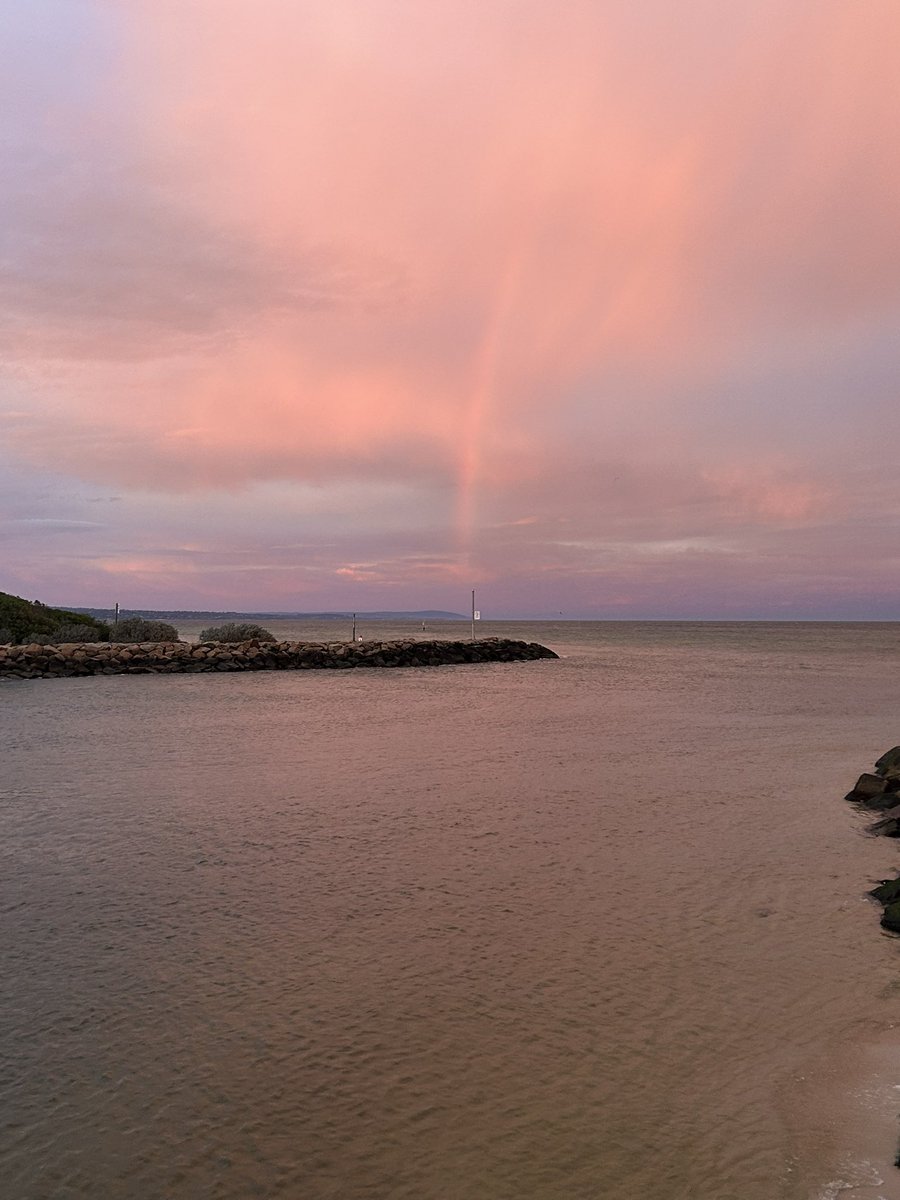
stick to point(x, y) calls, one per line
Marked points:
point(476, 615)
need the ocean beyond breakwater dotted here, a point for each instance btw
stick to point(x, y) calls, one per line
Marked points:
point(154, 658)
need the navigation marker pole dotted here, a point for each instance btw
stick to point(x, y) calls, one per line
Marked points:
point(473, 614)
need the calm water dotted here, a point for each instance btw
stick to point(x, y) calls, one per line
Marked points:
point(574, 929)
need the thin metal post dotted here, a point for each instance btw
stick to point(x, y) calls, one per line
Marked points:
point(116, 618)
point(354, 627)
point(473, 614)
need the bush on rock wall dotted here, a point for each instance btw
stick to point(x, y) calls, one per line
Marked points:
point(70, 632)
point(139, 629)
point(234, 631)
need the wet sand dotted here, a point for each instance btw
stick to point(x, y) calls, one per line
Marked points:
point(847, 1105)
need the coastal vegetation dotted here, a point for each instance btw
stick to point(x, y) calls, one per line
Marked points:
point(28, 621)
point(235, 631)
point(140, 629)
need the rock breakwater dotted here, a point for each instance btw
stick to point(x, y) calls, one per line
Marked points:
point(879, 792)
point(157, 658)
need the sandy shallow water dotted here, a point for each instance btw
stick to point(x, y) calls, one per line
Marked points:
point(587, 928)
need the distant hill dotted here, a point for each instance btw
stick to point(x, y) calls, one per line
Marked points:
point(107, 614)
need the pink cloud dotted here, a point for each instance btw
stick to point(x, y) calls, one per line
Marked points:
point(610, 269)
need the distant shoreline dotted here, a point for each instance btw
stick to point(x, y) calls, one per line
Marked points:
point(175, 614)
point(184, 614)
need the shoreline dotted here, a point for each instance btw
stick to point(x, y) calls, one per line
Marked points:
point(853, 1092)
point(856, 1087)
point(74, 659)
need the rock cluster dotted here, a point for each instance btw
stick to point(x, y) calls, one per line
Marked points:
point(154, 658)
point(880, 792)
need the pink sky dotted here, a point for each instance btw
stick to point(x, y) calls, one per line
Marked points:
point(355, 304)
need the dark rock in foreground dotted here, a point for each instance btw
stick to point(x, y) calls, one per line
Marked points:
point(889, 825)
point(154, 658)
point(890, 918)
point(867, 788)
point(889, 763)
point(879, 803)
point(880, 792)
point(887, 892)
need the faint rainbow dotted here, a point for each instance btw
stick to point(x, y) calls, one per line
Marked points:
point(484, 381)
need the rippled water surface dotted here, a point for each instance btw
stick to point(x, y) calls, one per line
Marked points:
point(593, 927)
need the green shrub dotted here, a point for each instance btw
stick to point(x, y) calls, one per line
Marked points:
point(139, 629)
point(23, 621)
point(71, 632)
point(233, 631)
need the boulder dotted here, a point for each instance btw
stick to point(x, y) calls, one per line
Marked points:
point(881, 802)
point(865, 787)
point(887, 892)
point(889, 825)
point(889, 763)
point(890, 918)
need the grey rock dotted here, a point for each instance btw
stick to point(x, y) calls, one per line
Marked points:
point(887, 892)
point(865, 787)
point(881, 802)
point(889, 825)
point(889, 762)
point(890, 918)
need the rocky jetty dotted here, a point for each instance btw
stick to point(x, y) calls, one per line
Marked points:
point(157, 658)
point(879, 792)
